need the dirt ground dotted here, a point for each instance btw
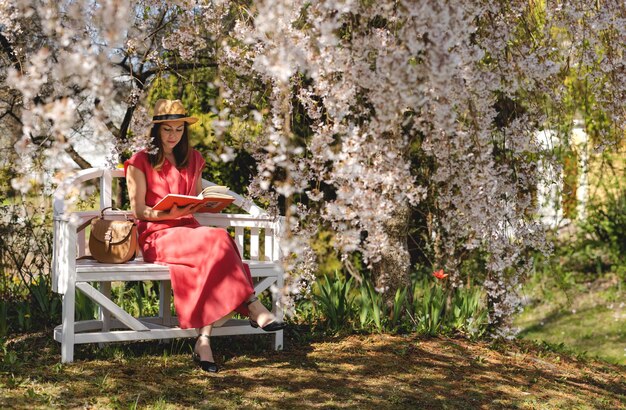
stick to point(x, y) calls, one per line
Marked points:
point(356, 371)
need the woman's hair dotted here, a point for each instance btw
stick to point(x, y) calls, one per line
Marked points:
point(181, 150)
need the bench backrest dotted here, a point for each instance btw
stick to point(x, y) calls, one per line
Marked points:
point(256, 233)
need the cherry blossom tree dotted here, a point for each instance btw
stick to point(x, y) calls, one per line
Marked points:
point(468, 83)
point(347, 92)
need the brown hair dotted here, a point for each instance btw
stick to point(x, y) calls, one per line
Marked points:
point(181, 151)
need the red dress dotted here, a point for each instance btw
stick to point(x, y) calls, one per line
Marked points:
point(209, 279)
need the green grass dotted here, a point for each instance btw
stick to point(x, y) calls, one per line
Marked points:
point(378, 371)
point(588, 318)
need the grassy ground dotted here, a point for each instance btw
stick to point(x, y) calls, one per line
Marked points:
point(587, 318)
point(358, 371)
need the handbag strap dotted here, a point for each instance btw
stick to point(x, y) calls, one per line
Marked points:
point(85, 257)
point(101, 216)
point(85, 224)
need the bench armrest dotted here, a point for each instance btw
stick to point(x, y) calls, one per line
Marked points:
point(64, 254)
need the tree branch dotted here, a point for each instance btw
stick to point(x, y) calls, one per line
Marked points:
point(152, 40)
point(10, 112)
point(6, 46)
point(142, 76)
point(183, 66)
point(108, 122)
point(76, 157)
point(126, 123)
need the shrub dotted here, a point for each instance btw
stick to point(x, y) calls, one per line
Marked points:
point(26, 297)
point(468, 313)
point(429, 302)
point(372, 309)
point(334, 302)
point(25, 255)
point(597, 248)
point(603, 232)
point(425, 307)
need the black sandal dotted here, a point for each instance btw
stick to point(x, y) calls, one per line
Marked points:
point(270, 327)
point(205, 365)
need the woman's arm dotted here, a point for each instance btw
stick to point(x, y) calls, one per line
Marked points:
point(137, 187)
point(199, 185)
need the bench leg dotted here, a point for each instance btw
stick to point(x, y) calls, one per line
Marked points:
point(165, 310)
point(165, 300)
point(277, 339)
point(67, 331)
point(103, 314)
point(277, 310)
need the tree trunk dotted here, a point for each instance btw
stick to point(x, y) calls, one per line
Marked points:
point(392, 272)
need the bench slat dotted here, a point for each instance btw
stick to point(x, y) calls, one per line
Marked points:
point(91, 265)
point(89, 270)
point(267, 244)
point(230, 328)
point(239, 238)
point(254, 244)
point(264, 284)
point(106, 186)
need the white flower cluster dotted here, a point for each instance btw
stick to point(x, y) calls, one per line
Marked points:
point(60, 67)
point(140, 126)
point(9, 18)
point(186, 41)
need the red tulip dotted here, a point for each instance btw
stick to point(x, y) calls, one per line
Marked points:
point(439, 274)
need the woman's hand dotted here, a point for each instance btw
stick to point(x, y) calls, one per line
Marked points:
point(177, 212)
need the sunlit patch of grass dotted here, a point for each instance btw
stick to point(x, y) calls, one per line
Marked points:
point(589, 320)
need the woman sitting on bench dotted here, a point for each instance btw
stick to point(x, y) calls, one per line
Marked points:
point(209, 279)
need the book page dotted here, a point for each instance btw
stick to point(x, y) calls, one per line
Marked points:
point(215, 189)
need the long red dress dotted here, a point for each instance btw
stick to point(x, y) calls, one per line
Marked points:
point(209, 279)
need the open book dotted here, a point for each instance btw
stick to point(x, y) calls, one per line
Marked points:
point(213, 197)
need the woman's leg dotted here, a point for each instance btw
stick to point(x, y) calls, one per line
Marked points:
point(252, 308)
point(223, 320)
point(203, 344)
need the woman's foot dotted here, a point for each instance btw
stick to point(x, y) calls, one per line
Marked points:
point(263, 318)
point(203, 355)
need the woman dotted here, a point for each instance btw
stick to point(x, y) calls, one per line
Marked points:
point(209, 279)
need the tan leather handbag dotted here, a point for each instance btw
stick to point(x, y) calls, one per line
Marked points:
point(113, 241)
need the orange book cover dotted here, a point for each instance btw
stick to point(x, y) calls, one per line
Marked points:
point(214, 203)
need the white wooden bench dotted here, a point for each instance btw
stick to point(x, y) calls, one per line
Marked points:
point(94, 279)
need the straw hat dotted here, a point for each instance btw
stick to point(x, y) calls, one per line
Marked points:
point(171, 110)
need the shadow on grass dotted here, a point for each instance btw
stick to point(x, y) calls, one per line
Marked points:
point(376, 371)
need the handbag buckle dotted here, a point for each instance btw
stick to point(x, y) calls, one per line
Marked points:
point(108, 237)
